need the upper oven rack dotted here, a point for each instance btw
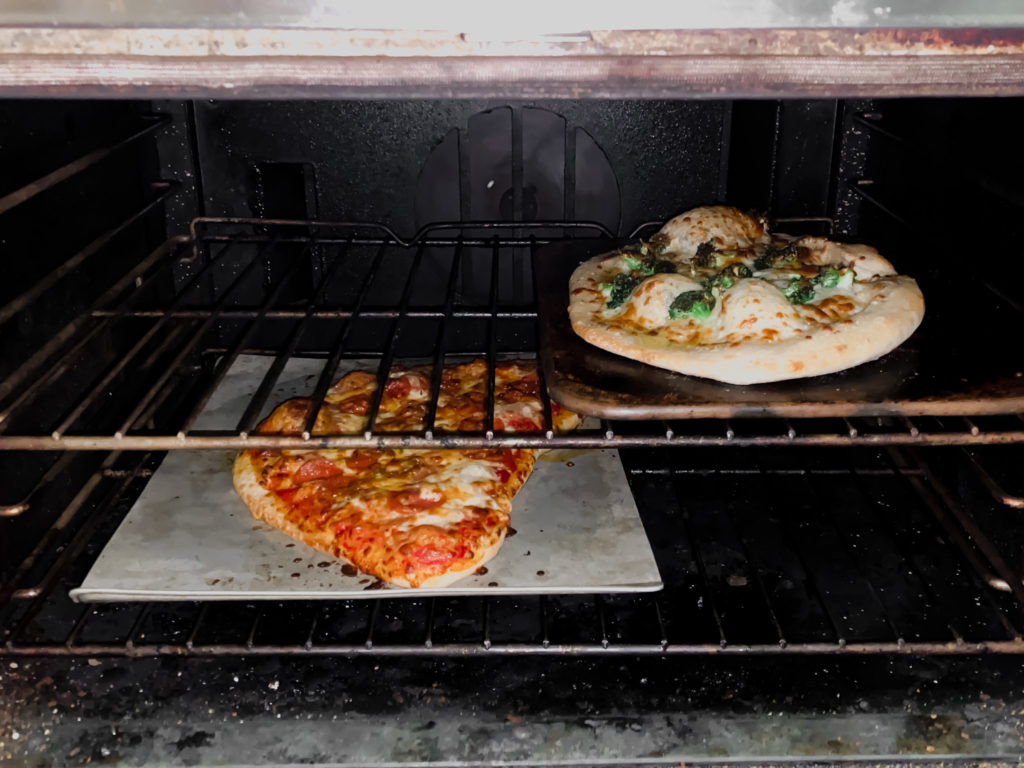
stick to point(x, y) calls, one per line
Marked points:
point(148, 352)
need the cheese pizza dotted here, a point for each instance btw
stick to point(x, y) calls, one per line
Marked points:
point(714, 294)
point(414, 518)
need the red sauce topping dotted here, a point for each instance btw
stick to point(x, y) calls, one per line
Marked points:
point(398, 388)
point(315, 468)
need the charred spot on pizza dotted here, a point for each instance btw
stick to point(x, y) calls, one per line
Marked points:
point(799, 291)
point(659, 243)
point(705, 256)
point(727, 277)
point(646, 263)
point(777, 255)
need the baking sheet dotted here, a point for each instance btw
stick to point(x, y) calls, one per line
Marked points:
point(945, 369)
point(190, 537)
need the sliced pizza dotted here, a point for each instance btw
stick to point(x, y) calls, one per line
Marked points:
point(414, 518)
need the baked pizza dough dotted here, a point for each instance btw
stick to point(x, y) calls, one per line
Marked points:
point(713, 294)
point(414, 518)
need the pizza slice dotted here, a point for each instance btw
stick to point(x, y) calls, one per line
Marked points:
point(714, 294)
point(415, 518)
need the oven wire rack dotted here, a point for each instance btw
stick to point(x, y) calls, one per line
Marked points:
point(185, 312)
point(878, 558)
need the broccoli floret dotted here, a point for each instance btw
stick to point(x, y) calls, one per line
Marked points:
point(695, 304)
point(641, 264)
point(647, 265)
point(619, 289)
point(830, 277)
point(799, 291)
point(727, 278)
point(775, 255)
point(705, 256)
point(659, 243)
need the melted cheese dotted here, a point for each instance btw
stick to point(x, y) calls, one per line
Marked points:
point(728, 228)
point(867, 263)
point(755, 308)
point(649, 304)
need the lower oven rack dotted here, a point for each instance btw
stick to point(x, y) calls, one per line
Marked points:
point(874, 557)
point(154, 345)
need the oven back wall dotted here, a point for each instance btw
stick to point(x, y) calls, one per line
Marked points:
point(365, 160)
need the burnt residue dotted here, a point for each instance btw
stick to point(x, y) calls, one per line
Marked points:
point(194, 740)
point(481, 570)
point(348, 569)
point(623, 707)
point(510, 532)
point(378, 584)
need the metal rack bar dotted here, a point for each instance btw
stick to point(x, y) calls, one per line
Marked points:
point(25, 503)
point(81, 537)
point(259, 400)
point(991, 485)
point(236, 348)
point(861, 572)
point(28, 191)
point(421, 235)
point(128, 356)
point(882, 522)
point(969, 524)
point(210, 440)
point(756, 569)
point(983, 183)
point(860, 187)
point(151, 400)
point(327, 374)
point(927, 648)
point(917, 485)
point(698, 559)
point(440, 343)
point(467, 313)
point(72, 263)
point(140, 619)
point(161, 257)
point(548, 426)
point(384, 367)
point(489, 425)
point(813, 587)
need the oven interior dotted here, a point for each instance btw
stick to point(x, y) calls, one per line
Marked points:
point(148, 244)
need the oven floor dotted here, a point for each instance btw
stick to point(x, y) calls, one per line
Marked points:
point(287, 711)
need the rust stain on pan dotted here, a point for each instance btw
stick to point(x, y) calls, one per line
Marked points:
point(248, 43)
point(812, 42)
